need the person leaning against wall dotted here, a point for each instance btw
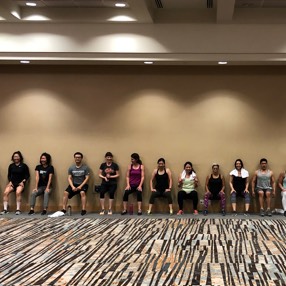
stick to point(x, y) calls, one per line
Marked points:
point(108, 172)
point(162, 177)
point(18, 175)
point(187, 182)
point(215, 185)
point(43, 182)
point(239, 183)
point(78, 176)
point(282, 186)
point(263, 183)
point(134, 182)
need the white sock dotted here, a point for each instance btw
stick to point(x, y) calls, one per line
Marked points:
point(5, 205)
point(18, 205)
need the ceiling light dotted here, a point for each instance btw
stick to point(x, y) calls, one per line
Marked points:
point(31, 4)
point(148, 63)
point(121, 5)
point(16, 14)
point(25, 62)
point(222, 63)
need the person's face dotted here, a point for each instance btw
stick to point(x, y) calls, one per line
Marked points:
point(108, 159)
point(43, 160)
point(161, 164)
point(77, 159)
point(16, 158)
point(215, 169)
point(238, 165)
point(133, 161)
point(263, 165)
point(188, 168)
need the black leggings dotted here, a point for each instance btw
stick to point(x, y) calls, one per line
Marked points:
point(156, 194)
point(108, 188)
point(182, 195)
point(131, 191)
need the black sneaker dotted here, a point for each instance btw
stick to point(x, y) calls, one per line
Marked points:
point(63, 211)
point(205, 212)
point(124, 212)
point(31, 212)
point(44, 212)
point(223, 212)
point(83, 212)
point(4, 212)
point(261, 212)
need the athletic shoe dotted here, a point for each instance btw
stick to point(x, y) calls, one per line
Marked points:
point(196, 212)
point(31, 212)
point(44, 212)
point(139, 212)
point(124, 212)
point(149, 212)
point(63, 211)
point(109, 212)
point(205, 212)
point(223, 212)
point(171, 212)
point(261, 212)
point(4, 212)
point(234, 213)
point(268, 212)
point(18, 212)
point(83, 212)
point(180, 212)
point(246, 213)
point(102, 212)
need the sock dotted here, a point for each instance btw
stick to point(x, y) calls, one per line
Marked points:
point(5, 205)
point(18, 205)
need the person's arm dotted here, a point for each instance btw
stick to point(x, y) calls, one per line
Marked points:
point(100, 174)
point(180, 181)
point(207, 184)
point(127, 178)
point(48, 187)
point(116, 175)
point(37, 178)
point(231, 184)
point(280, 181)
point(273, 184)
point(26, 175)
point(71, 182)
point(152, 180)
point(170, 180)
point(10, 175)
point(253, 182)
point(196, 181)
point(139, 188)
point(223, 184)
point(84, 182)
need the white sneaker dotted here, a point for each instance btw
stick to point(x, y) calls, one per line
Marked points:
point(18, 212)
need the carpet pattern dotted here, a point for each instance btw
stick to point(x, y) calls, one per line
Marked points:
point(173, 251)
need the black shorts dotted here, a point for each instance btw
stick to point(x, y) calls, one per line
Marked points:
point(72, 193)
point(16, 185)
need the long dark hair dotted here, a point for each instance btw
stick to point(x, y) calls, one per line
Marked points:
point(136, 157)
point(238, 160)
point(189, 163)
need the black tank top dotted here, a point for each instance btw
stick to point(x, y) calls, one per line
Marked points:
point(162, 181)
point(215, 185)
point(239, 183)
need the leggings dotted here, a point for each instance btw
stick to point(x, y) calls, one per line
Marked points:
point(182, 195)
point(132, 190)
point(40, 191)
point(220, 195)
point(156, 194)
point(244, 195)
point(107, 188)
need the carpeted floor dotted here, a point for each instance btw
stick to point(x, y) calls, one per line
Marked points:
point(142, 251)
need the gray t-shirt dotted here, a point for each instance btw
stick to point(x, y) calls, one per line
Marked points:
point(78, 173)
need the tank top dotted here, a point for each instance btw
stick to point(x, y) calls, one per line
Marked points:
point(263, 180)
point(188, 185)
point(162, 181)
point(239, 183)
point(135, 176)
point(215, 185)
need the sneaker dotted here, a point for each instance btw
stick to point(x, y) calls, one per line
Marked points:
point(285, 213)
point(268, 212)
point(102, 212)
point(63, 211)
point(31, 212)
point(205, 212)
point(44, 212)
point(196, 212)
point(171, 212)
point(246, 213)
point(18, 212)
point(109, 212)
point(223, 212)
point(149, 212)
point(261, 212)
point(234, 213)
point(139, 212)
point(124, 212)
point(83, 212)
point(180, 212)
point(4, 212)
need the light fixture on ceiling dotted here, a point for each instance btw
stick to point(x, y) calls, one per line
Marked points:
point(222, 63)
point(31, 4)
point(148, 63)
point(16, 14)
point(120, 5)
point(24, 62)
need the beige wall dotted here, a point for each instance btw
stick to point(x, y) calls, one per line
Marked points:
point(201, 114)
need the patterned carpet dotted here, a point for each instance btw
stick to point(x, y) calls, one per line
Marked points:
point(145, 251)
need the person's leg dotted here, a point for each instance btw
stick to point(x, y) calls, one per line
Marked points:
point(112, 189)
point(139, 202)
point(222, 201)
point(194, 197)
point(181, 197)
point(207, 196)
point(233, 201)
point(19, 191)
point(7, 191)
point(103, 190)
point(261, 199)
point(68, 194)
point(33, 197)
point(83, 200)
point(46, 199)
point(246, 201)
point(268, 202)
point(125, 200)
point(154, 195)
point(168, 195)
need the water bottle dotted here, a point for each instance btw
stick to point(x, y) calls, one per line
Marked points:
point(69, 211)
point(131, 209)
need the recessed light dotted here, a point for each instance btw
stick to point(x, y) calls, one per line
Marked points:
point(148, 63)
point(222, 63)
point(121, 5)
point(25, 62)
point(31, 4)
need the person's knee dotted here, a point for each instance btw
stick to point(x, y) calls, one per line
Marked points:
point(82, 194)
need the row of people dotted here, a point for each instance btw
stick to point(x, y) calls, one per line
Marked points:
point(160, 184)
